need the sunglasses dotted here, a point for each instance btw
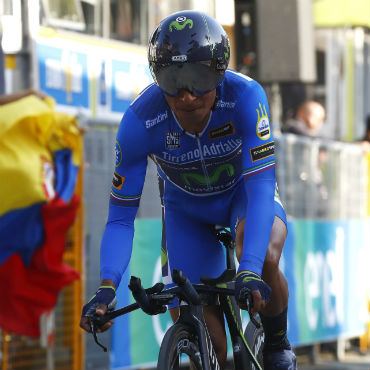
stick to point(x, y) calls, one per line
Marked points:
point(197, 78)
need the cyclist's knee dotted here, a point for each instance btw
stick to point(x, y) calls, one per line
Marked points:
point(276, 244)
point(271, 263)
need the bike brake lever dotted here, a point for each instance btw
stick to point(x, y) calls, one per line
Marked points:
point(249, 303)
point(93, 331)
point(256, 323)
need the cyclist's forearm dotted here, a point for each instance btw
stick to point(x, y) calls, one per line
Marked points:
point(260, 213)
point(116, 247)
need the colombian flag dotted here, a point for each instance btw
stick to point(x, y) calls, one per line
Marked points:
point(40, 154)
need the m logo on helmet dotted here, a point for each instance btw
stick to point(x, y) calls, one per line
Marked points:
point(180, 23)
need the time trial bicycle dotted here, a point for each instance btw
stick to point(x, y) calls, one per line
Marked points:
point(187, 342)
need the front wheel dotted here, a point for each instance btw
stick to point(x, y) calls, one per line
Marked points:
point(255, 338)
point(179, 350)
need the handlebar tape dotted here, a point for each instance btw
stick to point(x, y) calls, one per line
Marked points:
point(187, 287)
point(139, 292)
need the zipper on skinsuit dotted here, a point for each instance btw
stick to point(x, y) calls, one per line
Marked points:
point(204, 167)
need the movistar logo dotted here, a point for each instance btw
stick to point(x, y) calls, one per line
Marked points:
point(180, 23)
point(201, 180)
point(226, 53)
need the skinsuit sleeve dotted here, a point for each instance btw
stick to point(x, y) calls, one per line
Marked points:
point(259, 175)
point(127, 185)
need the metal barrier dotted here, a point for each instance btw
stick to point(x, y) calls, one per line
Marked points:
point(320, 179)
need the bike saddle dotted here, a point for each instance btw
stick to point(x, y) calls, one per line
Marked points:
point(225, 277)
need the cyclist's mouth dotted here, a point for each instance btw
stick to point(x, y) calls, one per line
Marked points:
point(187, 109)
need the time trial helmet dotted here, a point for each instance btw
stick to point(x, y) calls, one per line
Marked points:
point(188, 50)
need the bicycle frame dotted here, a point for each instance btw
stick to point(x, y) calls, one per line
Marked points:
point(234, 322)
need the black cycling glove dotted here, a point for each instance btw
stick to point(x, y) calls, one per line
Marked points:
point(248, 280)
point(104, 295)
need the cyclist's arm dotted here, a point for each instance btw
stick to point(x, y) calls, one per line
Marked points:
point(259, 173)
point(127, 185)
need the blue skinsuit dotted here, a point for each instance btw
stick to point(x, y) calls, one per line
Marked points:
point(219, 176)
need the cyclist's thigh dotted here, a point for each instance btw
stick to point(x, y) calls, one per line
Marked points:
point(276, 242)
point(190, 246)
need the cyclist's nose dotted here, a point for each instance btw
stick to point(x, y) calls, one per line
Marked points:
point(186, 96)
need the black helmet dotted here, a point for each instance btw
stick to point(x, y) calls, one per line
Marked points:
point(188, 50)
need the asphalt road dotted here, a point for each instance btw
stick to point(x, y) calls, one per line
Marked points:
point(336, 366)
point(351, 362)
point(325, 362)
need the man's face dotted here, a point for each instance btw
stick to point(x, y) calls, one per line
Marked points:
point(315, 117)
point(192, 111)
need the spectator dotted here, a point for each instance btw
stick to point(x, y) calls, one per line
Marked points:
point(308, 120)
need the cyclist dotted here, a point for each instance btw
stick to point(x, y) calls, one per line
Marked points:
point(207, 129)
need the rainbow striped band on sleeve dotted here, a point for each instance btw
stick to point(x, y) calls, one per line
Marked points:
point(258, 169)
point(125, 200)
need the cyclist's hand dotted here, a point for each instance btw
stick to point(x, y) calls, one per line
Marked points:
point(102, 301)
point(260, 291)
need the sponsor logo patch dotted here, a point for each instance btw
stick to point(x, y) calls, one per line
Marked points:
point(172, 140)
point(263, 151)
point(154, 121)
point(225, 130)
point(225, 104)
point(118, 153)
point(263, 126)
point(215, 149)
point(118, 181)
